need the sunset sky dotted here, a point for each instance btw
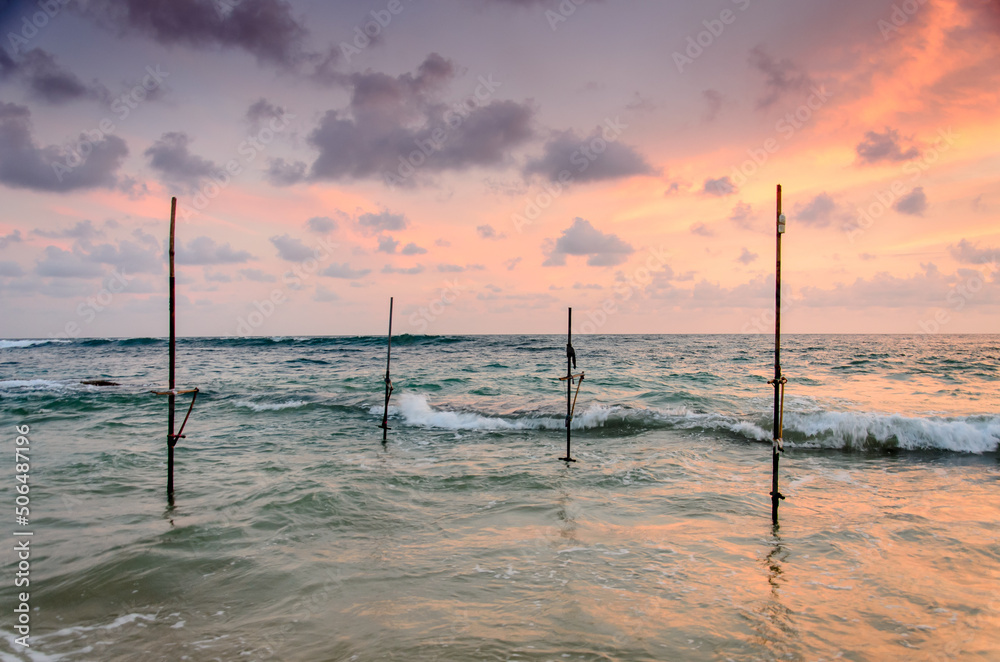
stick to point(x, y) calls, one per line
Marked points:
point(490, 163)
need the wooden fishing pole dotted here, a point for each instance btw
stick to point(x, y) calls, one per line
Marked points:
point(171, 385)
point(388, 382)
point(570, 364)
point(777, 444)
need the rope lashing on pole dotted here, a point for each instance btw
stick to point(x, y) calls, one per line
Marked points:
point(569, 417)
point(779, 441)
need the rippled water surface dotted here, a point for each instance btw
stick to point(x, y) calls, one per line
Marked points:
point(296, 535)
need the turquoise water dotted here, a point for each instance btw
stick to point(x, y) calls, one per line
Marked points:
point(296, 535)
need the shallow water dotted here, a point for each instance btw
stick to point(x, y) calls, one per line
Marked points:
point(297, 536)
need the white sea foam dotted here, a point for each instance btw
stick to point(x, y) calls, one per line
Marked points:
point(820, 429)
point(270, 406)
point(33, 384)
point(14, 344)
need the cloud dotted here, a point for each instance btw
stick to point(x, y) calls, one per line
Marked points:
point(204, 251)
point(25, 165)
point(321, 224)
point(746, 257)
point(175, 162)
point(967, 253)
point(282, 173)
point(878, 147)
point(719, 187)
point(817, 211)
point(126, 256)
point(913, 203)
point(742, 215)
point(412, 249)
point(82, 230)
point(345, 271)
point(582, 238)
point(264, 28)
point(59, 263)
point(781, 76)
point(702, 230)
point(450, 268)
point(412, 271)
point(50, 82)
point(386, 244)
point(292, 249)
point(567, 152)
point(713, 102)
point(382, 222)
point(324, 295)
point(512, 263)
point(10, 269)
point(13, 238)
point(262, 109)
point(257, 276)
point(389, 118)
point(488, 232)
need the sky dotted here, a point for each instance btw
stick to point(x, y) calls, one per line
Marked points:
point(490, 163)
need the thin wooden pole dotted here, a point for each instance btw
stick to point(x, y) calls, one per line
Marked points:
point(570, 363)
point(388, 382)
point(171, 384)
point(776, 443)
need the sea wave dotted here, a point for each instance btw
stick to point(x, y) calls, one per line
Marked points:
point(862, 431)
point(30, 342)
point(270, 406)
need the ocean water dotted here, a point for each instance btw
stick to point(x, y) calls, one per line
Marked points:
point(296, 535)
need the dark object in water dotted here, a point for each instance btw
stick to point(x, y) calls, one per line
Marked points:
point(99, 382)
point(388, 382)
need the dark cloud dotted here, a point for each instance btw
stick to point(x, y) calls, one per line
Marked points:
point(82, 230)
point(345, 271)
point(746, 257)
point(204, 251)
point(25, 165)
point(450, 268)
point(817, 211)
point(512, 263)
point(48, 81)
point(412, 271)
point(282, 173)
point(719, 187)
point(412, 249)
point(321, 224)
point(568, 152)
point(266, 29)
point(386, 244)
point(878, 147)
point(59, 263)
point(781, 76)
point(12, 238)
point(582, 238)
point(382, 222)
point(291, 249)
point(177, 165)
point(10, 269)
point(488, 232)
point(702, 230)
point(126, 256)
point(968, 253)
point(257, 276)
point(397, 125)
point(262, 109)
point(913, 203)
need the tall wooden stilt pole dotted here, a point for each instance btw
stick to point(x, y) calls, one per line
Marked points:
point(388, 382)
point(570, 364)
point(779, 380)
point(171, 385)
